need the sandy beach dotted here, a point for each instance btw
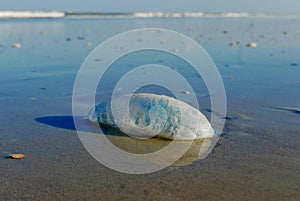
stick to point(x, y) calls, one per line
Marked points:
point(256, 158)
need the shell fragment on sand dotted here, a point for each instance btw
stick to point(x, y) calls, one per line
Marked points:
point(16, 156)
point(186, 92)
point(252, 45)
point(154, 115)
point(16, 45)
point(233, 43)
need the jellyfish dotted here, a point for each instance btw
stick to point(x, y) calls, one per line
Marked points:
point(150, 115)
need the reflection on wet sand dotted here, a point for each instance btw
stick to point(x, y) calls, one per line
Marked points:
point(198, 149)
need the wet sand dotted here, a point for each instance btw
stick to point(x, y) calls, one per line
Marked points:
point(256, 158)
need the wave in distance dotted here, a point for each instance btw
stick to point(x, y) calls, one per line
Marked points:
point(42, 14)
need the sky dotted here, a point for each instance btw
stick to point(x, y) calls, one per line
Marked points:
point(252, 6)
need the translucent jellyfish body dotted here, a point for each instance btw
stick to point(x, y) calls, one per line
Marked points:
point(151, 115)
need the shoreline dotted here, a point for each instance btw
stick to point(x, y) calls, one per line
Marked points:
point(133, 15)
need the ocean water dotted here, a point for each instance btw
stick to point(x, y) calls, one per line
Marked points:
point(257, 156)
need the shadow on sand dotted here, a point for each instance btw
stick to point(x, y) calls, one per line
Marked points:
point(67, 122)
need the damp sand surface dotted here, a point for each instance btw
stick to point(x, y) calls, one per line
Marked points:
point(256, 158)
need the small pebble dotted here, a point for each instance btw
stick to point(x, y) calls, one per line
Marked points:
point(294, 64)
point(285, 33)
point(186, 92)
point(16, 156)
point(176, 50)
point(229, 117)
point(89, 44)
point(233, 43)
point(252, 45)
point(16, 45)
point(68, 39)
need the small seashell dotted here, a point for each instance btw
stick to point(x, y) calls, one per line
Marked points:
point(186, 92)
point(252, 45)
point(176, 50)
point(233, 43)
point(16, 45)
point(16, 156)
